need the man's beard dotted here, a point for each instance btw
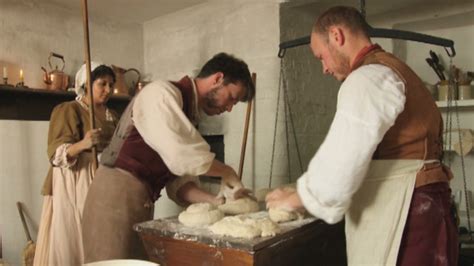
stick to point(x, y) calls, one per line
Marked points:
point(342, 65)
point(210, 98)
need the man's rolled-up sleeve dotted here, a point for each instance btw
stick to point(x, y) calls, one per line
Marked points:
point(173, 187)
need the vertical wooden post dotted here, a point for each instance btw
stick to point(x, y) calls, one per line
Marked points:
point(246, 129)
point(87, 58)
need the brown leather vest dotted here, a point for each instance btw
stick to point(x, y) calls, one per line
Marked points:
point(128, 150)
point(417, 132)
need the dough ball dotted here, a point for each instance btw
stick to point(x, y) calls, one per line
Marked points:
point(200, 207)
point(268, 227)
point(245, 227)
point(235, 226)
point(200, 214)
point(281, 216)
point(239, 206)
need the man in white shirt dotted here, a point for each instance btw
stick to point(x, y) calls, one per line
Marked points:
point(379, 166)
point(157, 145)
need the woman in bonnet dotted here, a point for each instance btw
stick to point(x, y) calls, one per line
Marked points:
point(70, 139)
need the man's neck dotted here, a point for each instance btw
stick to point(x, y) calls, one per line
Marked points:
point(355, 49)
point(199, 83)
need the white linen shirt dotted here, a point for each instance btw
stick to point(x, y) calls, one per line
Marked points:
point(159, 118)
point(369, 102)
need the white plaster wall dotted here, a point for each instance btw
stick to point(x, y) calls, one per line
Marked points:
point(23, 165)
point(29, 30)
point(180, 43)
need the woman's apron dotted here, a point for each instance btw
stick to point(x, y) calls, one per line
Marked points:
point(378, 213)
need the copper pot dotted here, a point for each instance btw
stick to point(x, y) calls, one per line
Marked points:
point(55, 79)
point(120, 83)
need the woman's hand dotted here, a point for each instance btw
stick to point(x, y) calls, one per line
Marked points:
point(91, 138)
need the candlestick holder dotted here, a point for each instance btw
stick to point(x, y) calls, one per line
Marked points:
point(5, 81)
point(21, 84)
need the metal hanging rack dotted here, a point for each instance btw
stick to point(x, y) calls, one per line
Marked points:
point(382, 33)
point(452, 106)
point(288, 119)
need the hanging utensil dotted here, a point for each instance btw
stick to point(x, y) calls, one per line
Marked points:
point(432, 64)
point(437, 64)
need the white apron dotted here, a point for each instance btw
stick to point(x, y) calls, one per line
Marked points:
point(379, 210)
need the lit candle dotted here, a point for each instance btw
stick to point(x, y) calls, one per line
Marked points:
point(21, 75)
point(5, 75)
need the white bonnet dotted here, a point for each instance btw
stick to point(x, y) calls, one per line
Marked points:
point(81, 77)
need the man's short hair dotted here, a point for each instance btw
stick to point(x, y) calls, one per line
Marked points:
point(346, 16)
point(234, 70)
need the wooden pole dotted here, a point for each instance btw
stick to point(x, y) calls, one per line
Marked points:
point(246, 129)
point(87, 58)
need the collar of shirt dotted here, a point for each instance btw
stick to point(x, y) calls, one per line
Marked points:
point(362, 53)
point(197, 114)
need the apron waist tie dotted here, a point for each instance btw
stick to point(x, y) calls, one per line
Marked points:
point(433, 171)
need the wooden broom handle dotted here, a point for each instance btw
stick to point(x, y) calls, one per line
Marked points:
point(23, 221)
point(246, 129)
point(87, 55)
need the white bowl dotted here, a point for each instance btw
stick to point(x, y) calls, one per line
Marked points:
point(122, 263)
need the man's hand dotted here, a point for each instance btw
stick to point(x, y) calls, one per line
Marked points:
point(231, 187)
point(284, 199)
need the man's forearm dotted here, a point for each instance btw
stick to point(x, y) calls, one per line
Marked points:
point(191, 193)
point(219, 169)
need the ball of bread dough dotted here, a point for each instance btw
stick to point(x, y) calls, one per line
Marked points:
point(245, 227)
point(268, 227)
point(200, 214)
point(281, 216)
point(239, 206)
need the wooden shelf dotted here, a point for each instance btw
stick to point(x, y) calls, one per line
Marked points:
point(20, 103)
point(464, 104)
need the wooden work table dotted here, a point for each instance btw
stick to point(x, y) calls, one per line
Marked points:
point(304, 242)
